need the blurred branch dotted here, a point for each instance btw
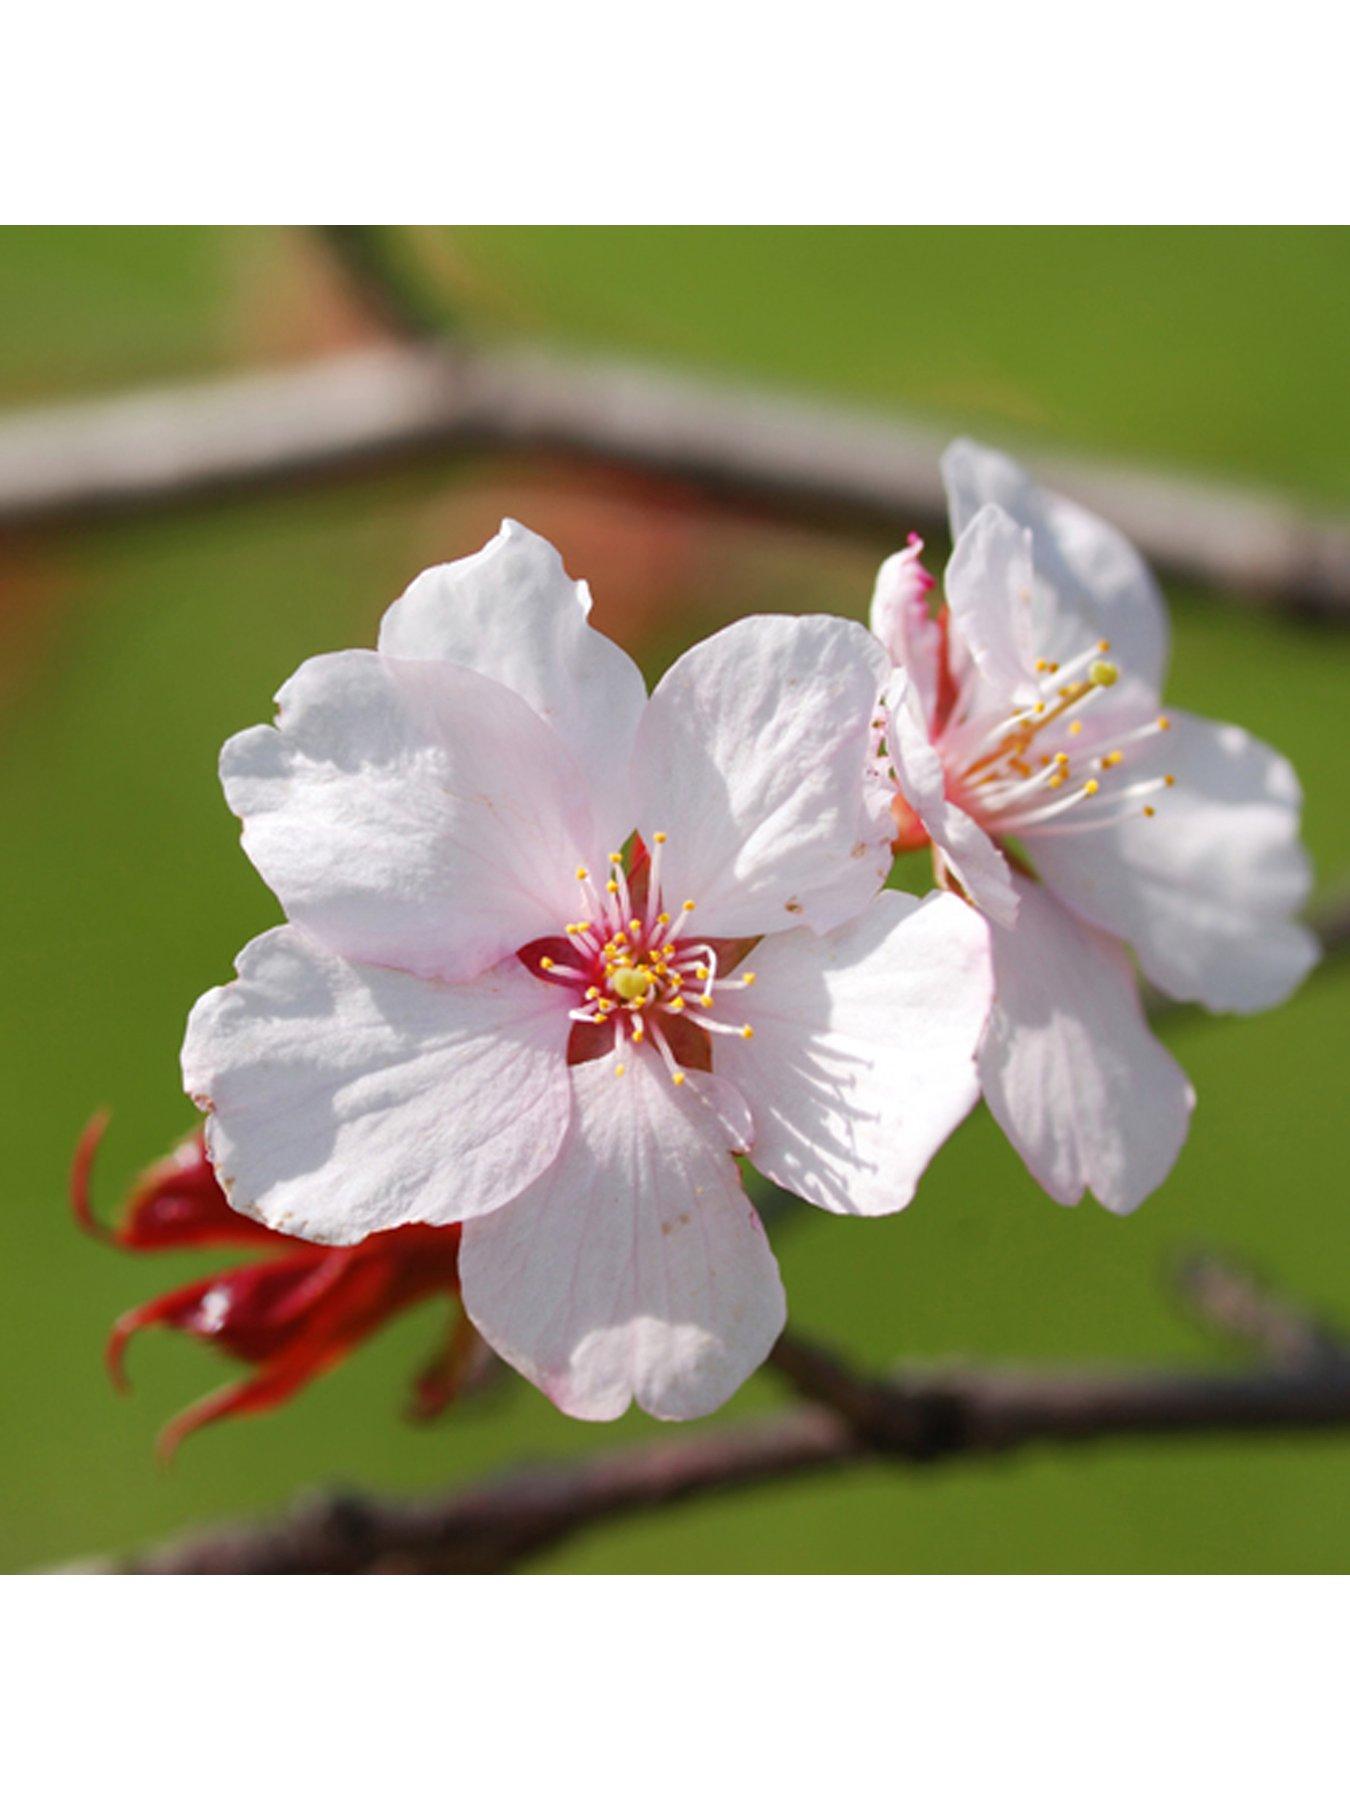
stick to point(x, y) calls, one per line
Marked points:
point(1330, 919)
point(849, 1419)
point(739, 445)
point(383, 280)
point(1238, 1303)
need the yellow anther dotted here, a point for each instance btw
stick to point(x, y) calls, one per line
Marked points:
point(1149, 811)
point(592, 993)
point(688, 906)
point(1075, 727)
point(677, 1076)
point(616, 857)
point(658, 837)
point(747, 1031)
point(583, 874)
point(677, 1004)
point(1103, 674)
point(546, 962)
point(1055, 781)
point(1042, 666)
point(1169, 781)
point(748, 979)
point(1104, 646)
point(1113, 757)
point(611, 887)
point(635, 925)
point(663, 918)
point(573, 929)
point(701, 970)
point(1039, 707)
point(1091, 786)
point(705, 999)
point(1062, 758)
point(1164, 723)
point(619, 1068)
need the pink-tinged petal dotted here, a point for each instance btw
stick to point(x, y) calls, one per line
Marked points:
point(971, 855)
point(1086, 1094)
point(415, 814)
point(512, 613)
point(1205, 890)
point(863, 1055)
point(1090, 582)
point(989, 595)
point(902, 619)
point(754, 757)
point(635, 1269)
point(346, 1099)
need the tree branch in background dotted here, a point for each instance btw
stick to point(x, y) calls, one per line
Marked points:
point(916, 1417)
point(744, 447)
point(377, 268)
point(1236, 1302)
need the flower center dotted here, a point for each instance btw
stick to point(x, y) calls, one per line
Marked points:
point(1025, 769)
point(635, 970)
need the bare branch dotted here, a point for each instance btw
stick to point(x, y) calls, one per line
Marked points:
point(1243, 1306)
point(743, 446)
point(915, 1418)
point(382, 279)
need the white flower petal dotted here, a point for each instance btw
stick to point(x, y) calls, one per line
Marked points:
point(901, 618)
point(753, 757)
point(863, 1055)
point(512, 612)
point(1086, 1094)
point(1205, 890)
point(414, 814)
point(972, 856)
point(345, 1099)
point(1090, 581)
point(635, 1268)
point(989, 594)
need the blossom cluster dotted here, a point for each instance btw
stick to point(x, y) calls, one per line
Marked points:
point(559, 953)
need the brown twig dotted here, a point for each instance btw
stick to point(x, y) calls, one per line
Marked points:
point(850, 1418)
point(1238, 1303)
point(382, 279)
point(361, 409)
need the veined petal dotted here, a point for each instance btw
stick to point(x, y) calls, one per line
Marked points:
point(971, 855)
point(1087, 1095)
point(346, 1099)
point(415, 814)
point(635, 1268)
point(1089, 579)
point(863, 1055)
point(753, 758)
point(989, 593)
point(512, 613)
point(1206, 889)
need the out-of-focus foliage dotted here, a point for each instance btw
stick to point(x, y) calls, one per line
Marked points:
point(129, 651)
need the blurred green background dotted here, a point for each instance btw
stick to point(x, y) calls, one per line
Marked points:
point(131, 649)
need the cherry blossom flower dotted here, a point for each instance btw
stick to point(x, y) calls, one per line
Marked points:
point(1031, 751)
point(514, 990)
point(295, 1313)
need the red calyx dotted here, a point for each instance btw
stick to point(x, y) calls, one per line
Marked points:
point(292, 1315)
